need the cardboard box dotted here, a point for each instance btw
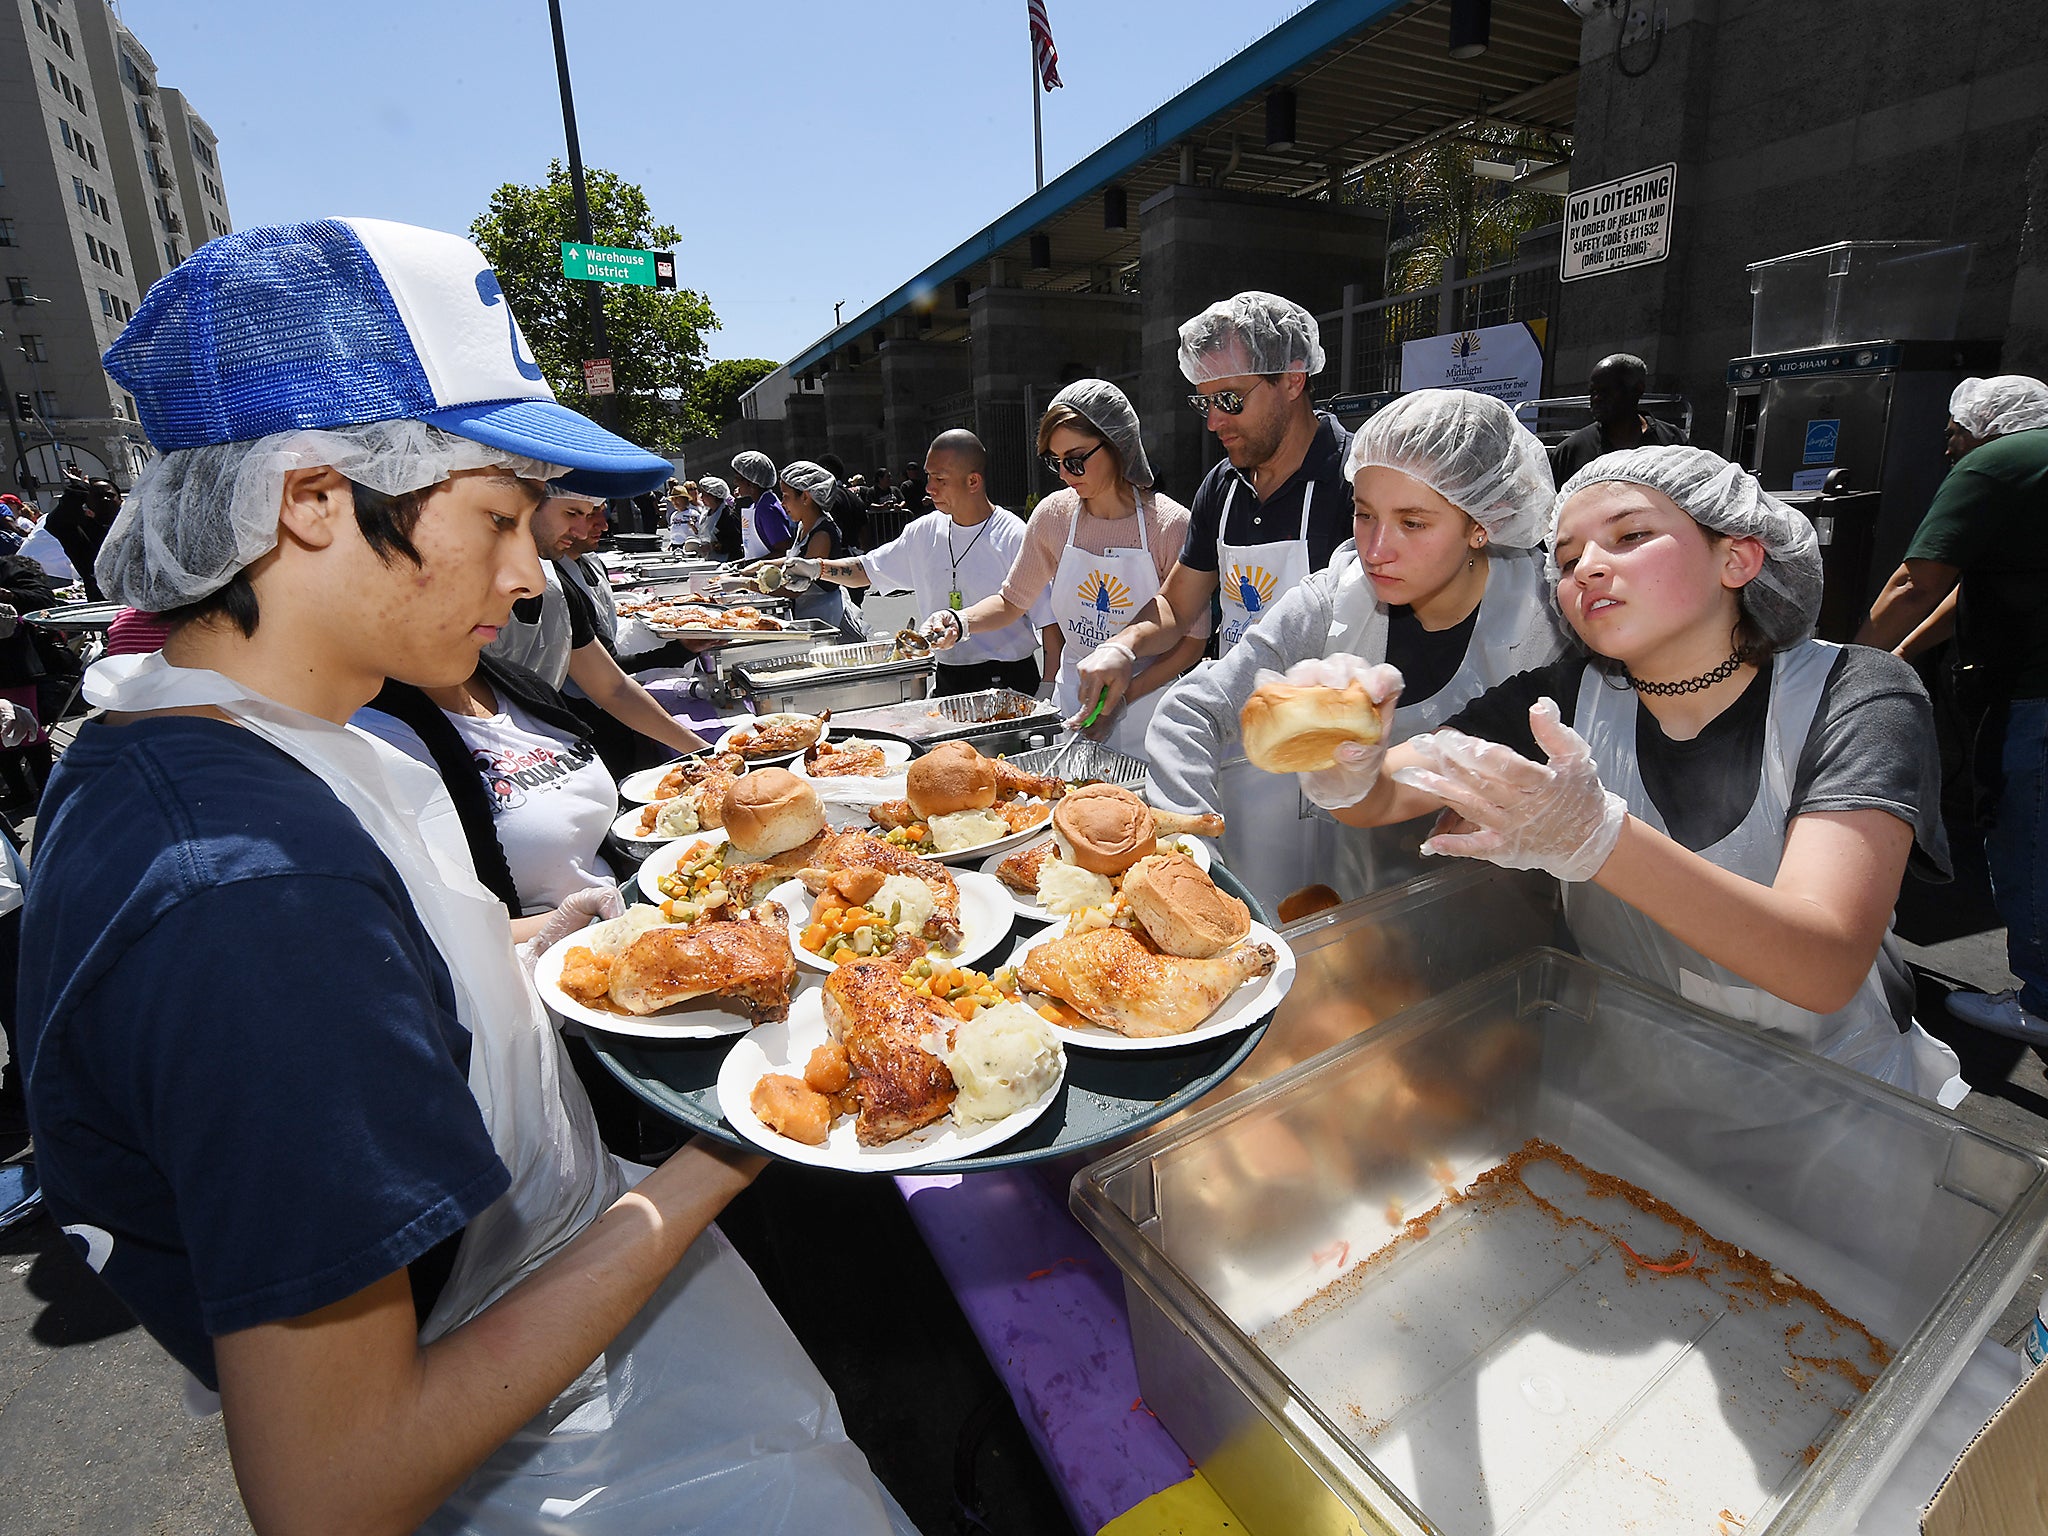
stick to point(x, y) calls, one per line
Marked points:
point(1999, 1486)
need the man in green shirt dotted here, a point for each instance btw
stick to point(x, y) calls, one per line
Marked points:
point(1985, 539)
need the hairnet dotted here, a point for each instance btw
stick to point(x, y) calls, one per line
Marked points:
point(199, 515)
point(2010, 402)
point(1784, 597)
point(1250, 333)
point(715, 488)
point(757, 469)
point(1470, 450)
point(1109, 411)
point(814, 480)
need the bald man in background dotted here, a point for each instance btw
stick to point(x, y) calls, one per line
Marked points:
point(952, 558)
point(1614, 391)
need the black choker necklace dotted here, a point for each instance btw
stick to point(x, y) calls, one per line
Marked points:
point(1686, 684)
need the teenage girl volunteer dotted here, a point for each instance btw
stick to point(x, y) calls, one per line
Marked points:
point(1450, 496)
point(1730, 802)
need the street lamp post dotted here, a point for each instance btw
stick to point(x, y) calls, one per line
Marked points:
point(36, 383)
point(599, 345)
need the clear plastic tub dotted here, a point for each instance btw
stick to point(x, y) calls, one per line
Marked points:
point(1857, 290)
point(1505, 1371)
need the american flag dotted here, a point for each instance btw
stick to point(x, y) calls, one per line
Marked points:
point(1042, 48)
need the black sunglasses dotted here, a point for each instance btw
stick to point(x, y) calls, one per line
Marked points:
point(1228, 401)
point(1075, 464)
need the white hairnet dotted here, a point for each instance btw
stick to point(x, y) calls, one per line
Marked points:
point(1250, 333)
point(814, 480)
point(1784, 597)
point(2009, 402)
point(757, 469)
point(199, 515)
point(1470, 450)
point(1109, 411)
point(715, 488)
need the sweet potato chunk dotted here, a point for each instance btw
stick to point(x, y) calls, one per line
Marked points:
point(790, 1109)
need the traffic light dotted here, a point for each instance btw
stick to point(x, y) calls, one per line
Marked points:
point(24, 406)
point(664, 269)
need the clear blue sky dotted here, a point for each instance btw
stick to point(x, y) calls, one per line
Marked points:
point(809, 150)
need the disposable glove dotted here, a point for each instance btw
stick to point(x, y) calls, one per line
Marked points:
point(9, 619)
point(579, 909)
point(1554, 816)
point(796, 573)
point(1358, 764)
point(17, 725)
point(1109, 666)
point(944, 629)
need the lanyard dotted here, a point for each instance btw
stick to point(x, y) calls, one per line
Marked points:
point(953, 599)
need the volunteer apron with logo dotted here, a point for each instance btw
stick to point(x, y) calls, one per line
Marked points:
point(1864, 1035)
point(1271, 840)
point(704, 1412)
point(541, 645)
point(1094, 597)
point(1516, 631)
point(752, 545)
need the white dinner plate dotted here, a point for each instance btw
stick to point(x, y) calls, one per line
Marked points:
point(774, 759)
point(894, 755)
point(984, 919)
point(1246, 1005)
point(665, 858)
point(1028, 906)
point(640, 787)
point(700, 1019)
point(787, 1046)
point(626, 830)
point(975, 851)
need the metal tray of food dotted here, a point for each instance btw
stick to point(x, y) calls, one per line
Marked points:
point(1108, 1095)
point(842, 677)
point(1086, 762)
point(74, 617)
point(790, 630)
point(957, 717)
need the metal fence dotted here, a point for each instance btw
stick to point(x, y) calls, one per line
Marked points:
point(1526, 290)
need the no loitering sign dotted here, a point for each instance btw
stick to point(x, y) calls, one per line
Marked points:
point(1619, 224)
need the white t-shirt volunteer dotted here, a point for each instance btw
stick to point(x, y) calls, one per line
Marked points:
point(552, 798)
point(935, 557)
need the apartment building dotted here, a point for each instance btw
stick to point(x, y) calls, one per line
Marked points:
point(108, 179)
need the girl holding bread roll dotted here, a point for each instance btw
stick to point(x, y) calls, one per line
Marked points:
point(1441, 584)
point(1729, 802)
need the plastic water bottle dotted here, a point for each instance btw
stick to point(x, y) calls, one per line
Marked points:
point(2035, 1340)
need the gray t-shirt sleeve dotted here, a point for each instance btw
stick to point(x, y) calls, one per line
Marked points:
point(1872, 747)
point(1194, 731)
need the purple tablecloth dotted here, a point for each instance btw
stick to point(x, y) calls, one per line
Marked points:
point(1048, 1307)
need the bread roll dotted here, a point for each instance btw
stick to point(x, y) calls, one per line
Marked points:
point(1182, 910)
point(770, 811)
point(1104, 828)
point(949, 778)
point(1297, 728)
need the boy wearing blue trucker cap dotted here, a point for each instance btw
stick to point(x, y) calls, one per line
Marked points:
point(289, 1086)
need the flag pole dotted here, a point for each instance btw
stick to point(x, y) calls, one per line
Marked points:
point(1037, 129)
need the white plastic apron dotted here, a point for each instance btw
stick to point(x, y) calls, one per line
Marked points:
point(1863, 1035)
point(543, 646)
point(1093, 598)
point(587, 571)
point(613, 1454)
point(1271, 839)
point(752, 545)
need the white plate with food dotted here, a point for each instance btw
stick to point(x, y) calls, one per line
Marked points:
point(664, 781)
point(861, 761)
point(979, 827)
point(672, 818)
point(984, 921)
point(1245, 1003)
point(700, 1019)
point(1028, 904)
point(786, 1049)
point(756, 737)
point(662, 863)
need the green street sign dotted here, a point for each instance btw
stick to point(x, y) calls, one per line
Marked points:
point(608, 264)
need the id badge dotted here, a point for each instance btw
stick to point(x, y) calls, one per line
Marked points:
point(953, 600)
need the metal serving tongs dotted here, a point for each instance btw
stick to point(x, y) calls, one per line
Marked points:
point(1071, 739)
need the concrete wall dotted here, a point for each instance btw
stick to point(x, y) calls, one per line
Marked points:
point(916, 376)
point(1026, 344)
point(853, 416)
point(1796, 123)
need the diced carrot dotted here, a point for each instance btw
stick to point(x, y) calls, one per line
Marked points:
point(965, 1008)
point(814, 936)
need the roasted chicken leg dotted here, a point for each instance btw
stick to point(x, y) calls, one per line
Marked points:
point(1110, 977)
point(859, 850)
point(748, 960)
point(899, 1086)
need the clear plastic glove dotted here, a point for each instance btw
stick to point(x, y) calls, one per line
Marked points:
point(1554, 816)
point(1109, 666)
point(1358, 764)
point(17, 725)
point(796, 574)
point(944, 629)
point(592, 904)
point(9, 619)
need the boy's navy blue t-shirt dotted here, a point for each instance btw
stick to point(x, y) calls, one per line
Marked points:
point(246, 1078)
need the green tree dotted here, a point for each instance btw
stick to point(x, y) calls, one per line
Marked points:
point(1451, 215)
point(656, 338)
point(716, 394)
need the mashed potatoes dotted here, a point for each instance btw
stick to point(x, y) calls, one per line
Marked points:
point(915, 897)
point(1003, 1059)
point(676, 818)
point(966, 829)
point(1064, 887)
point(611, 937)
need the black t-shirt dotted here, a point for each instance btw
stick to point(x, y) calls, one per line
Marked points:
point(1278, 517)
point(1590, 441)
point(582, 622)
point(1426, 659)
point(1872, 747)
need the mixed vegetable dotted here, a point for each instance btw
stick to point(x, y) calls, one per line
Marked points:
point(696, 885)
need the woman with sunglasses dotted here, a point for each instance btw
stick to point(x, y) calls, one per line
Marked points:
point(1450, 497)
point(1098, 548)
point(1729, 802)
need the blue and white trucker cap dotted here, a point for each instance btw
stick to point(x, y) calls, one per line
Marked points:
point(345, 321)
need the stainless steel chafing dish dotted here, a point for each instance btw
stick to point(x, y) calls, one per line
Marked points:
point(1085, 762)
point(835, 677)
point(957, 717)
